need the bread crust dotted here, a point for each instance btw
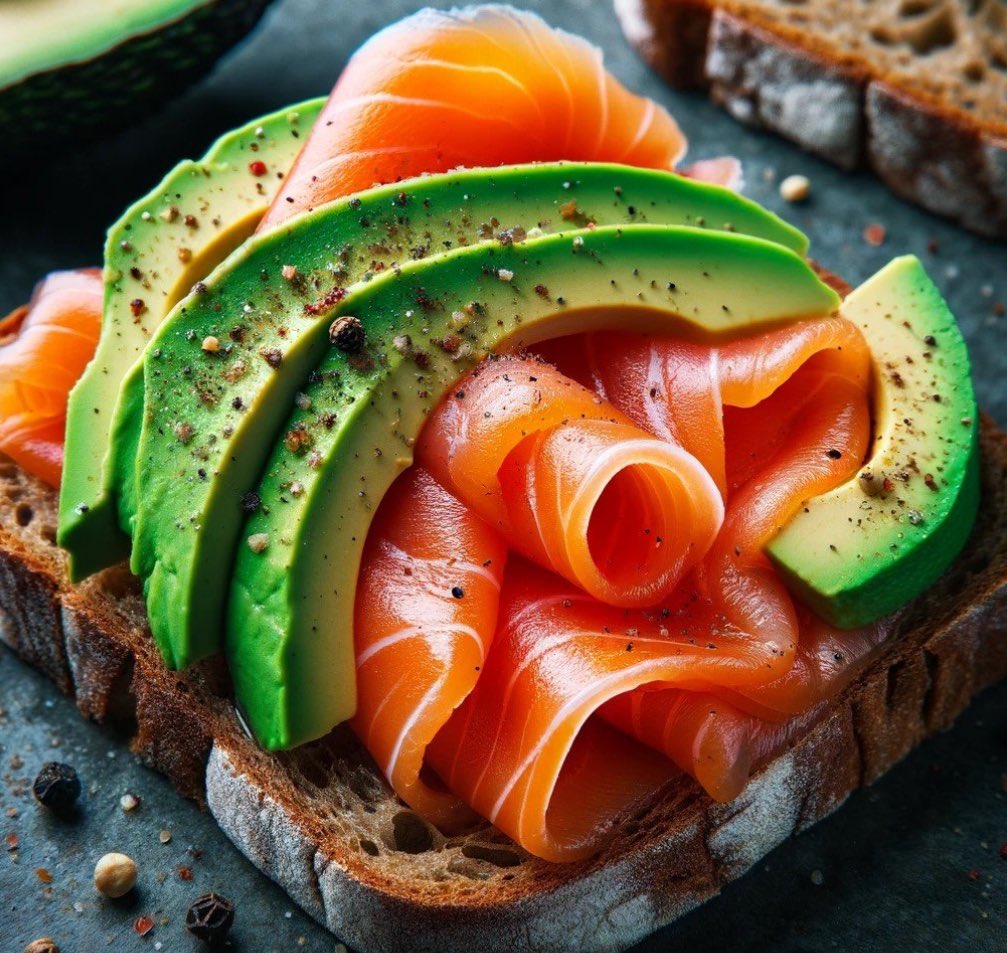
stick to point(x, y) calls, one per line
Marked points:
point(834, 104)
point(322, 822)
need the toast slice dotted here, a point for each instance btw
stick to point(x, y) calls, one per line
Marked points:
point(321, 821)
point(915, 90)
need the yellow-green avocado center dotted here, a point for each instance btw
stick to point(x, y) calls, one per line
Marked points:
point(868, 547)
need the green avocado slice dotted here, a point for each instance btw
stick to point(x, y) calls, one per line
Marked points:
point(163, 244)
point(213, 408)
point(290, 622)
point(69, 67)
point(869, 546)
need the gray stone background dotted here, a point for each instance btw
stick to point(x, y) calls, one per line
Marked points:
point(912, 864)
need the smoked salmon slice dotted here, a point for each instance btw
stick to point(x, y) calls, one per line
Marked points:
point(478, 86)
point(571, 482)
point(585, 699)
point(44, 348)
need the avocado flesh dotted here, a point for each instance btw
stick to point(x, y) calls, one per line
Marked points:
point(195, 436)
point(154, 256)
point(866, 548)
point(39, 35)
point(290, 620)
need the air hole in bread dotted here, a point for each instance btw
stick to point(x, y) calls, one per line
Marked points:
point(8, 471)
point(491, 854)
point(369, 847)
point(48, 533)
point(974, 72)
point(24, 514)
point(915, 8)
point(892, 679)
point(314, 772)
point(410, 835)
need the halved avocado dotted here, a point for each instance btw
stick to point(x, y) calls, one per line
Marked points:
point(163, 244)
point(223, 371)
point(290, 621)
point(67, 66)
point(868, 547)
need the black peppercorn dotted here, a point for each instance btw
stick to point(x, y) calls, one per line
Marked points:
point(347, 333)
point(57, 786)
point(210, 918)
point(251, 501)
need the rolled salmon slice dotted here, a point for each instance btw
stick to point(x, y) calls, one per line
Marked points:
point(44, 348)
point(572, 483)
point(716, 675)
point(436, 559)
point(478, 86)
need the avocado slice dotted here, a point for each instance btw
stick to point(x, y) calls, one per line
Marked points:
point(869, 546)
point(166, 242)
point(290, 619)
point(68, 67)
point(222, 373)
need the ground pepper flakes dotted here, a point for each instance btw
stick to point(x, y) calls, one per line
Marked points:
point(257, 167)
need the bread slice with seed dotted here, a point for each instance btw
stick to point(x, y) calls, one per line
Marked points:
point(915, 89)
point(322, 822)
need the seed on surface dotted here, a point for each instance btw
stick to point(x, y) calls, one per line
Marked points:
point(115, 875)
point(129, 802)
point(505, 274)
point(258, 542)
point(164, 837)
point(57, 786)
point(289, 272)
point(210, 344)
point(347, 333)
point(210, 918)
point(43, 944)
point(170, 213)
point(795, 188)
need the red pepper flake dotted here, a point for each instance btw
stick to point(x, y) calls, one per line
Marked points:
point(974, 874)
point(1003, 851)
point(185, 873)
point(874, 235)
point(933, 246)
point(143, 925)
point(258, 167)
point(542, 291)
point(12, 841)
point(137, 307)
point(329, 300)
point(568, 210)
point(999, 309)
point(43, 875)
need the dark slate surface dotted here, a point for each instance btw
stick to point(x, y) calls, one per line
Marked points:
point(913, 864)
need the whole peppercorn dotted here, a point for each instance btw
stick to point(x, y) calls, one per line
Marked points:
point(57, 786)
point(210, 917)
point(44, 944)
point(115, 875)
point(347, 333)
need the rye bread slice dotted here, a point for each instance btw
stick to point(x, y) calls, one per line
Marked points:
point(322, 822)
point(915, 89)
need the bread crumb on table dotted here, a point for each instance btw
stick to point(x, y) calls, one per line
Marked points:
point(795, 188)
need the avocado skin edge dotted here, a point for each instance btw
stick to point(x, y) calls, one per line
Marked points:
point(903, 540)
point(134, 77)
